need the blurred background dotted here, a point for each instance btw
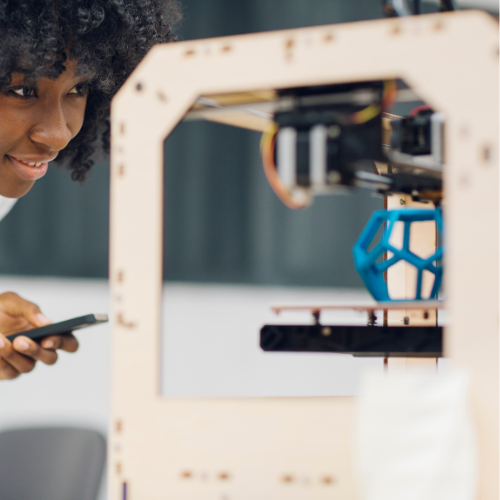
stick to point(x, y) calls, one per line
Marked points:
point(223, 222)
point(231, 251)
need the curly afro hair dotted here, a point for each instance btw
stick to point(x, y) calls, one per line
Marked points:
point(108, 37)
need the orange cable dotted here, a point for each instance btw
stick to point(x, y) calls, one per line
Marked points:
point(268, 145)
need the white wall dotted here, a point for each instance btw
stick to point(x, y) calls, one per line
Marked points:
point(76, 390)
point(211, 343)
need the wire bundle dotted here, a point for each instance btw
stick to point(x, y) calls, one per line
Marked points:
point(268, 144)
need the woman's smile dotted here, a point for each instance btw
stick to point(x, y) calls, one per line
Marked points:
point(30, 168)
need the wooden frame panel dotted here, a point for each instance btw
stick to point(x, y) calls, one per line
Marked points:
point(293, 447)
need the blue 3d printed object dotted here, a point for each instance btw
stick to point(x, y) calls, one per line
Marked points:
point(372, 272)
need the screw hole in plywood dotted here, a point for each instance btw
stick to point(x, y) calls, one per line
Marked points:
point(118, 468)
point(426, 314)
point(121, 170)
point(189, 53)
point(289, 45)
point(122, 128)
point(327, 480)
point(395, 29)
point(120, 276)
point(226, 49)
point(224, 476)
point(287, 478)
point(438, 26)
point(328, 38)
point(138, 87)
point(186, 474)
point(161, 96)
point(120, 320)
point(486, 153)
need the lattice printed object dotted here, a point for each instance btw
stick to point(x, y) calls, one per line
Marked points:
point(372, 272)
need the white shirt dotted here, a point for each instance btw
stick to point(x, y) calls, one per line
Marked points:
point(5, 205)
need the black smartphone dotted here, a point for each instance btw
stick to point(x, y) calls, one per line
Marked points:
point(62, 327)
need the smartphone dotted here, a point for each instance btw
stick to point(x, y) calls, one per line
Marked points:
point(62, 327)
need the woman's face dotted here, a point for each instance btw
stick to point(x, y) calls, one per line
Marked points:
point(35, 124)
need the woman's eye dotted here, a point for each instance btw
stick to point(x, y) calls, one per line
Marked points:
point(80, 89)
point(24, 91)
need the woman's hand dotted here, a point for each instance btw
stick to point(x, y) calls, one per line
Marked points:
point(20, 356)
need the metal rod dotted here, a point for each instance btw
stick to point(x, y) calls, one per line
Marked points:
point(266, 109)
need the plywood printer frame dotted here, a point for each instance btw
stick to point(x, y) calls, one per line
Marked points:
point(288, 448)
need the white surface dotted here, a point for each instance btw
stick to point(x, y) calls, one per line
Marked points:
point(211, 343)
point(75, 391)
point(414, 438)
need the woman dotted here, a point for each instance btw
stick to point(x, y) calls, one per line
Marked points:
point(61, 62)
